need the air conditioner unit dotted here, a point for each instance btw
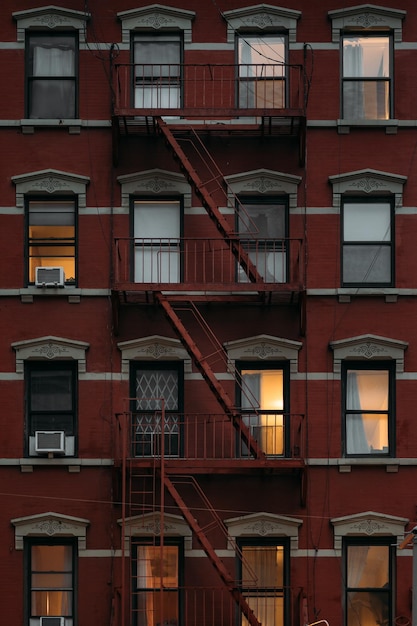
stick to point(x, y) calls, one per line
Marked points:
point(49, 277)
point(52, 621)
point(50, 441)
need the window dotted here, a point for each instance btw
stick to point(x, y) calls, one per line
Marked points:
point(368, 408)
point(157, 391)
point(262, 392)
point(51, 75)
point(367, 247)
point(157, 70)
point(367, 76)
point(51, 237)
point(51, 579)
point(264, 581)
point(368, 580)
point(51, 401)
point(157, 226)
point(262, 71)
point(262, 226)
point(156, 582)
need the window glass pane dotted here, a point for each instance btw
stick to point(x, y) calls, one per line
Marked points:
point(157, 607)
point(366, 100)
point(52, 56)
point(266, 50)
point(262, 221)
point(150, 574)
point(52, 213)
point(367, 389)
point(51, 390)
point(263, 389)
point(152, 385)
point(51, 580)
point(367, 264)
point(157, 219)
point(368, 609)
point(365, 57)
point(53, 603)
point(367, 221)
point(263, 566)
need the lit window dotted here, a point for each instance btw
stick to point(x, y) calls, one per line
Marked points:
point(368, 249)
point(52, 62)
point(368, 409)
point(262, 71)
point(367, 77)
point(51, 240)
point(368, 588)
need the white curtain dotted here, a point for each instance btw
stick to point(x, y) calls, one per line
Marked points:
point(49, 61)
point(353, 105)
point(356, 441)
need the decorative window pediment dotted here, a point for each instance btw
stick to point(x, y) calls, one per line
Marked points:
point(367, 17)
point(156, 181)
point(364, 182)
point(53, 18)
point(368, 524)
point(368, 347)
point(264, 525)
point(50, 525)
point(264, 348)
point(264, 182)
point(262, 17)
point(153, 348)
point(48, 349)
point(50, 182)
point(156, 17)
point(149, 525)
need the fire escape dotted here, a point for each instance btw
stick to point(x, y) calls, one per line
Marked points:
point(221, 269)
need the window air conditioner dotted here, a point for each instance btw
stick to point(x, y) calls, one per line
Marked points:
point(49, 277)
point(52, 621)
point(50, 441)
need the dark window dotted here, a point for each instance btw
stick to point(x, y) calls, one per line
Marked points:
point(262, 71)
point(368, 242)
point(52, 65)
point(157, 75)
point(51, 583)
point(263, 231)
point(263, 397)
point(264, 581)
point(51, 237)
point(156, 583)
point(157, 391)
point(367, 77)
point(368, 580)
point(368, 409)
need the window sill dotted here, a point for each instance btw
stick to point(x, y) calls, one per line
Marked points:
point(73, 464)
point(74, 294)
point(344, 126)
point(28, 125)
point(389, 293)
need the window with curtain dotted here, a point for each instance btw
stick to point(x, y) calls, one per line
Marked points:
point(157, 397)
point(368, 583)
point(368, 412)
point(157, 70)
point(367, 77)
point(263, 402)
point(263, 572)
point(368, 242)
point(52, 62)
point(51, 579)
point(51, 237)
point(262, 71)
point(157, 226)
point(263, 231)
point(156, 583)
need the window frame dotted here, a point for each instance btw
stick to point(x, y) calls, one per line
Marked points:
point(29, 542)
point(42, 366)
point(391, 243)
point(30, 77)
point(389, 367)
point(390, 80)
point(29, 198)
point(366, 542)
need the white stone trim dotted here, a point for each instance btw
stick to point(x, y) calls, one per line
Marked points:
point(263, 525)
point(50, 525)
point(50, 348)
point(154, 347)
point(50, 182)
point(156, 17)
point(368, 347)
point(155, 181)
point(367, 17)
point(262, 17)
point(149, 525)
point(365, 182)
point(367, 524)
point(264, 348)
point(263, 182)
point(53, 18)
